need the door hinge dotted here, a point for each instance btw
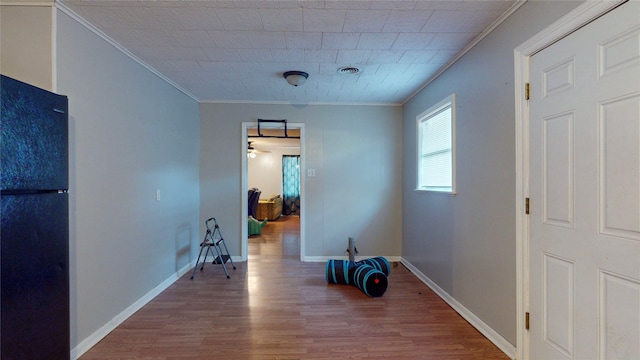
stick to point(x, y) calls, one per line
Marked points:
point(526, 206)
point(526, 91)
point(526, 321)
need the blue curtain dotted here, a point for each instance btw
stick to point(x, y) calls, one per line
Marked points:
point(291, 184)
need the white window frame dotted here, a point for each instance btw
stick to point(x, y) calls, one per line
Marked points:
point(449, 101)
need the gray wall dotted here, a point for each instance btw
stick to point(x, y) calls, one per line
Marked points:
point(466, 243)
point(130, 134)
point(356, 152)
point(26, 44)
point(265, 171)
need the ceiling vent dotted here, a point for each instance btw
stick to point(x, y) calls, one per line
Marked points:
point(348, 70)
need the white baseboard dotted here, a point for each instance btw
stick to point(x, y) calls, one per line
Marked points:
point(98, 335)
point(344, 257)
point(486, 330)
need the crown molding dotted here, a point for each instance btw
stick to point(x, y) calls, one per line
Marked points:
point(28, 3)
point(256, 102)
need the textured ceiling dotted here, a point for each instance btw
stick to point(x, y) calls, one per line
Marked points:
point(238, 50)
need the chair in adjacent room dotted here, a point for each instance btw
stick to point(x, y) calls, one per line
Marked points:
point(254, 197)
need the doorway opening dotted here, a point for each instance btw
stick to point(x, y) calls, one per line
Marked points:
point(273, 191)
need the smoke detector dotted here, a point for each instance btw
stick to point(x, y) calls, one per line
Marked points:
point(348, 70)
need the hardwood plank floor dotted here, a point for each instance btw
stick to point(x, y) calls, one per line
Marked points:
point(275, 307)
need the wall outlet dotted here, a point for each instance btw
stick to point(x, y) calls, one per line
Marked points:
point(158, 195)
point(311, 172)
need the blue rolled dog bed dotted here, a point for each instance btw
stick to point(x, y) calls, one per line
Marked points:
point(369, 275)
point(339, 271)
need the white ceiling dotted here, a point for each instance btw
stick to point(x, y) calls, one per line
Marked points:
point(238, 50)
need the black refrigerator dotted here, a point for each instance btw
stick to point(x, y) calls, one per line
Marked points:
point(34, 256)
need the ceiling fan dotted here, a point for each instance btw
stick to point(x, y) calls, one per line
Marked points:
point(252, 152)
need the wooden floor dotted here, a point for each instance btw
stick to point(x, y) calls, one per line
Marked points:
point(275, 307)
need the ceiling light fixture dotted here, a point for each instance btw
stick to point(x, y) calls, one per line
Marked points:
point(348, 70)
point(251, 152)
point(295, 78)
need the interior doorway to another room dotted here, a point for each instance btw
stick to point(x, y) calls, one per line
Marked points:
point(274, 189)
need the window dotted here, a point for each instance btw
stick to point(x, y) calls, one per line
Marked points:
point(436, 147)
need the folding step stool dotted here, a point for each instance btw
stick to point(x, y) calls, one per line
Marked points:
point(213, 239)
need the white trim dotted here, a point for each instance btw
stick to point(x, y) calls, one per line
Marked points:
point(121, 48)
point(569, 23)
point(467, 48)
point(303, 189)
point(295, 103)
point(447, 102)
point(438, 193)
point(390, 259)
point(103, 331)
point(244, 232)
point(503, 344)
point(25, 3)
point(244, 186)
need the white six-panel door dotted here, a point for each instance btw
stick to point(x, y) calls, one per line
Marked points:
point(584, 162)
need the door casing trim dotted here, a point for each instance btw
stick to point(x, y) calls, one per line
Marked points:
point(244, 250)
point(571, 22)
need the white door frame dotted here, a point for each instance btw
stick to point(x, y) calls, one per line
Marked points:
point(569, 23)
point(244, 208)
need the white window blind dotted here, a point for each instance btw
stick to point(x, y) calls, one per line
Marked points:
point(435, 148)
